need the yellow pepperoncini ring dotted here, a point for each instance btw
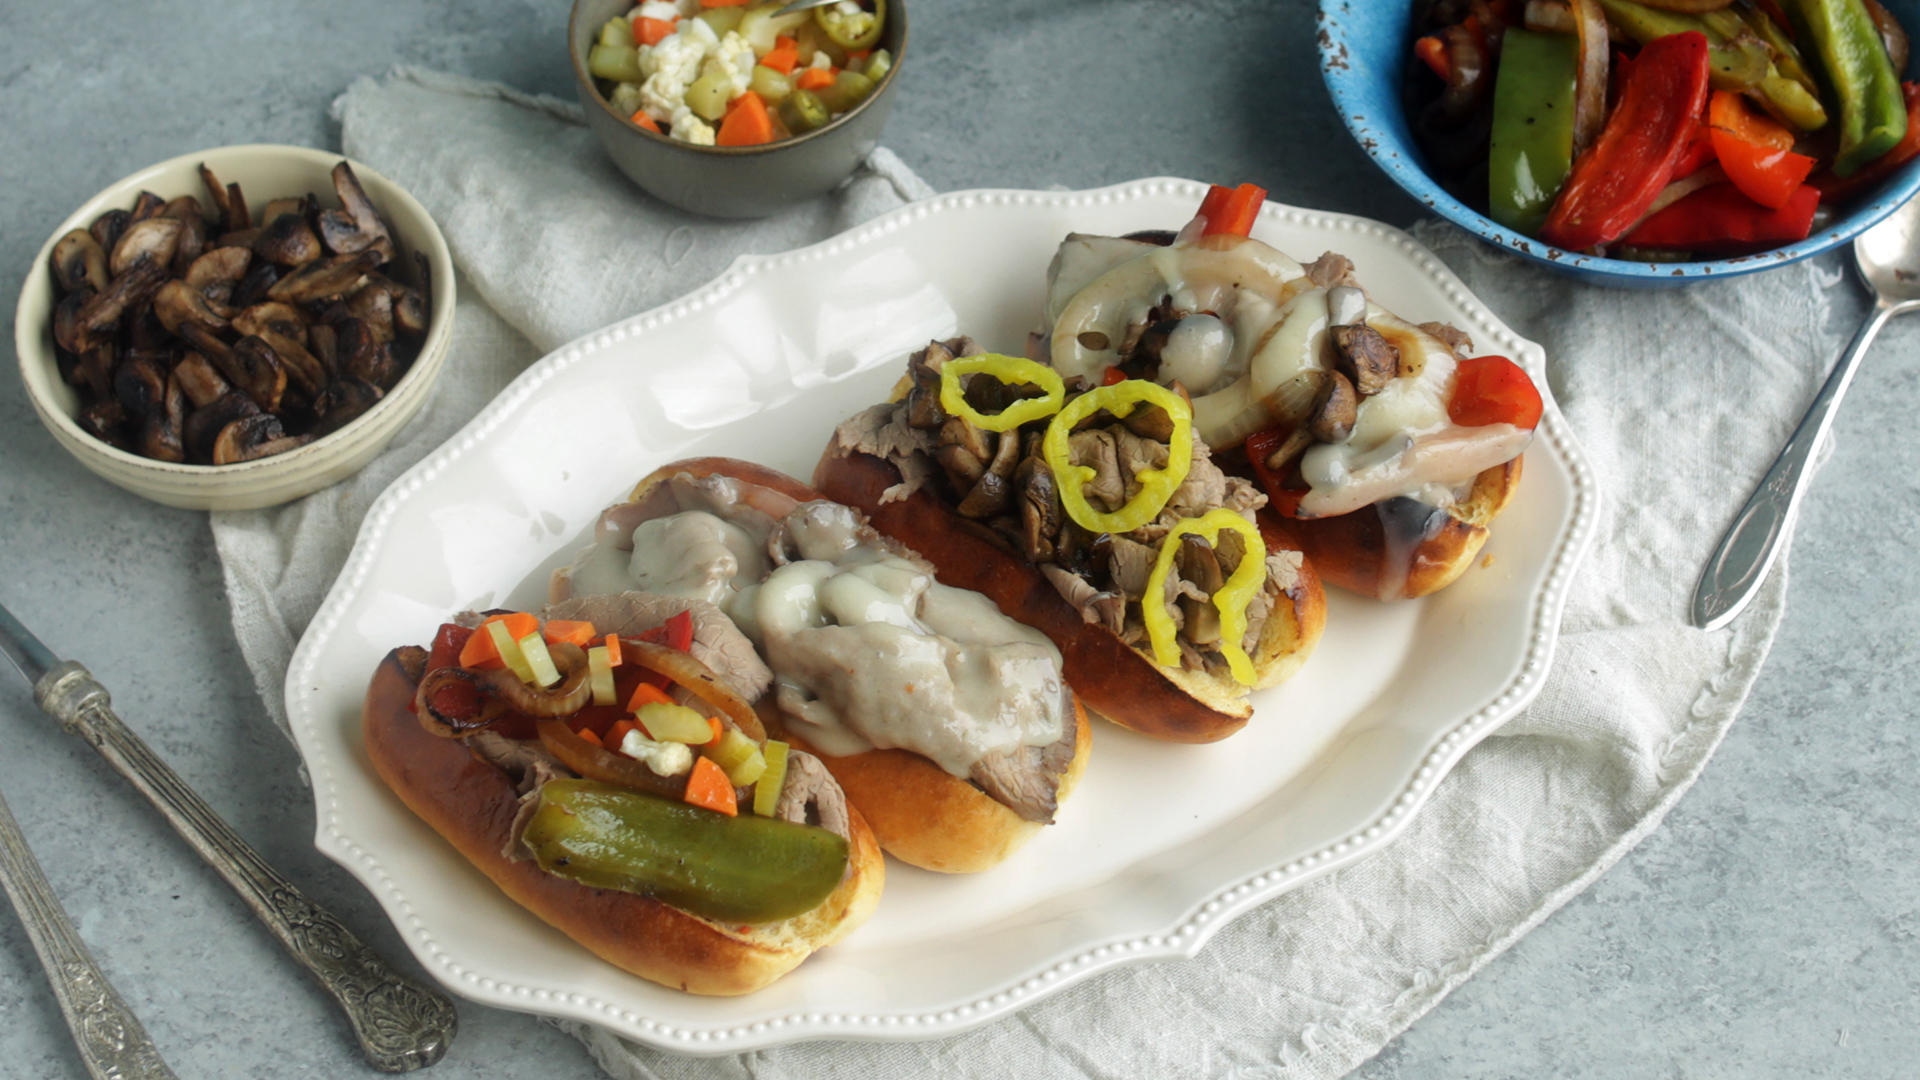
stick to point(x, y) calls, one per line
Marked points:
point(1230, 599)
point(1008, 369)
point(1156, 485)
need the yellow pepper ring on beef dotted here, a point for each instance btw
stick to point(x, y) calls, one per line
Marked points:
point(1156, 485)
point(1008, 369)
point(1230, 599)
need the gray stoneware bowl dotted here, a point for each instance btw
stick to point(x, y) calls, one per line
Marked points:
point(734, 181)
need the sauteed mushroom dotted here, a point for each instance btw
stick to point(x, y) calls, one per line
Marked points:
point(78, 261)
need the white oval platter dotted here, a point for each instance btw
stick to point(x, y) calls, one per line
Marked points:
point(1162, 844)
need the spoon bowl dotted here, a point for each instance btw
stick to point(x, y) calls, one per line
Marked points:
point(1888, 255)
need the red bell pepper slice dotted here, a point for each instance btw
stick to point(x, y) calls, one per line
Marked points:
point(1756, 151)
point(1493, 390)
point(1284, 486)
point(1698, 154)
point(1614, 182)
point(1834, 189)
point(1720, 219)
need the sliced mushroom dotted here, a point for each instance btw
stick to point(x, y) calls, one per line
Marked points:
point(238, 220)
point(178, 303)
point(223, 210)
point(1040, 511)
point(154, 239)
point(249, 364)
point(106, 421)
point(279, 207)
point(1334, 410)
point(143, 334)
point(137, 385)
point(343, 401)
point(374, 307)
point(147, 205)
point(221, 265)
point(193, 237)
point(357, 227)
point(129, 290)
point(253, 288)
point(200, 380)
point(411, 315)
point(924, 410)
point(363, 356)
point(97, 365)
point(205, 423)
point(68, 331)
point(1150, 421)
point(303, 371)
point(1365, 357)
point(327, 279)
point(239, 238)
point(323, 341)
point(287, 240)
point(242, 439)
point(162, 437)
point(106, 228)
point(79, 262)
point(990, 493)
point(1198, 565)
point(257, 318)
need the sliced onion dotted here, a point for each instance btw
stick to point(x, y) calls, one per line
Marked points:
point(1550, 16)
point(1590, 84)
point(502, 691)
point(699, 680)
point(1691, 7)
point(599, 763)
point(1680, 189)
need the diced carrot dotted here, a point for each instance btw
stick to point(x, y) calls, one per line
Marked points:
point(641, 119)
point(724, 3)
point(647, 694)
point(479, 654)
point(1433, 53)
point(783, 57)
point(617, 734)
point(719, 732)
point(814, 79)
point(652, 31)
point(857, 59)
point(709, 787)
point(782, 41)
point(588, 735)
point(747, 123)
point(613, 650)
point(568, 632)
point(1237, 215)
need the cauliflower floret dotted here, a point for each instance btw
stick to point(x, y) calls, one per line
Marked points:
point(664, 10)
point(627, 98)
point(821, 60)
point(664, 758)
point(689, 128)
point(735, 57)
point(671, 65)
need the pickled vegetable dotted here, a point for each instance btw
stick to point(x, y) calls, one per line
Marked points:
point(723, 19)
point(852, 30)
point(708, 95)
point(674, 723)
point(747, 869)
point(879, 64)
point(849, 88)
point(772, 86)
point(620, 63)
point(740, 757)
point(766, 791)
point(803, 111)
point(617, 32)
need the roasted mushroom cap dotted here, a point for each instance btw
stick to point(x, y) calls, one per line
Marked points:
point(358, 227)
point(343, 402)
point(155, 239)
point(287, 240)
point(327, 279)
point(162, 436)
point(79, 262)
point(253, 437)
point(178, 303)
point(206, 423)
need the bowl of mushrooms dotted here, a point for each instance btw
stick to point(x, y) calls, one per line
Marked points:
point(236, 328)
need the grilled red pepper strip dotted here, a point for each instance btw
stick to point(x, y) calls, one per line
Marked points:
point(1721, 219)
point(1613, 183)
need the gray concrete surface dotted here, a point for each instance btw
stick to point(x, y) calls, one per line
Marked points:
point(1768, 930)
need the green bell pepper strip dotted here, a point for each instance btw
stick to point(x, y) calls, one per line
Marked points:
point(1789, 92)
point(744, 869)
point(1532, 146)
point(1736, 59)
point(1230, 599)
point(853, 32)
point(1860, 76)
point(1156, 485)
point(1010, 370)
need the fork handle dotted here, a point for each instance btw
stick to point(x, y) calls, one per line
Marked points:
point(401, 1023)
point(1748, 550)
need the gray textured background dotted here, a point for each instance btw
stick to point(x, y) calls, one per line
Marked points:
point(1767, 930)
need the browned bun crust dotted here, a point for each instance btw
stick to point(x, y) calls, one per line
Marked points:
point(1351, 550)
point(922, 814)
point(1111, 677)
point(927, 817)
point(472, 805)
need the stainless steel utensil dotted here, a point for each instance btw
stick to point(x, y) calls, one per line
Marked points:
point(1888, 257)
point(401, 1023)
point(804, 5)
point(112, 1043)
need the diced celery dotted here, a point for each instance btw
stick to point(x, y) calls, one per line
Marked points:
point(620, 63)
point(617, 31)
point(766, 791)
point(749, 770)
point(772, 86)
point(762, 25)
point(674, 723)
point(709, 94)
point(509, 651)
point(539, 660)
point(879, 64)
point(849, 88)
point(722, 19)
point(740, 757)
point(600, 672)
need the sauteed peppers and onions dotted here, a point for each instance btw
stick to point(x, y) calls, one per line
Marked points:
point(1662, 130)
point(642, 771)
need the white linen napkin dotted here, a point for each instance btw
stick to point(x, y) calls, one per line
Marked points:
point(552, 242)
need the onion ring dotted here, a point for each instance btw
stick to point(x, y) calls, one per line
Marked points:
point(501, 690)
point(699, 680)
point(598, 763)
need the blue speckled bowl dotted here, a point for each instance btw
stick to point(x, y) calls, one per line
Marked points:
point(1365, 46)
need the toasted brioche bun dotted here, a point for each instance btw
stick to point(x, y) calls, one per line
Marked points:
point(926, 816)
point(472, 804)
point(1111, 677)
point(922, 814)
point(1354, 552)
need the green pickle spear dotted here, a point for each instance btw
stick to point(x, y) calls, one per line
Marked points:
point(745, 869)
point(1532, 126)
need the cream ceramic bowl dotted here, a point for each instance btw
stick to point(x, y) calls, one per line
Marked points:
point(263, 173)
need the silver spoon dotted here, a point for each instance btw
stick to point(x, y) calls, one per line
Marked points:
point(803, 5)
point(1888, 256)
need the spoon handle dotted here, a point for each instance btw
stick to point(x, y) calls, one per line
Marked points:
point(401, 1024)
point(112, 1043)
point(1748, 550)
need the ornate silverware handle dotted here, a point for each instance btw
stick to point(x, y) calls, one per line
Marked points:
point(1752, 543)
point(111, 1040)
point(401, 1023)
